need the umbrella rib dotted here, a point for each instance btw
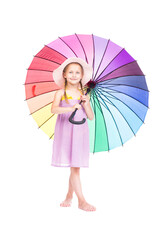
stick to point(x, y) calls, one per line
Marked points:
point(112, 79)
point(109, 63)
point(39, 95)
point(47, 59)
point(104, 105)
point(116, 91)
point(68, 46)
point(82, 47)
point(104, 123)
point(113, 85)
point(114, 122)
point(40, 108)
point(93, 104)
point(43, 70)
point(107, 102)
point(120, 113)
point(95, 124)
point(99, 80)
point(95, 116)
point(38, 82)
point(96, 104)
point(56, 51)
point(93, 55)
point(45, 121)
point(101, 59)
point(112, 117)
point(95, 127)
point(51, 136)
point(124, 104)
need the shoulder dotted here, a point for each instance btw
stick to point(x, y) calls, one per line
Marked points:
point(57, 98)
point(60, 92)
point(58, 95)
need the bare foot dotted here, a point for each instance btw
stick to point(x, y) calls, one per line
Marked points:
point(66, 203)
point(86, 206)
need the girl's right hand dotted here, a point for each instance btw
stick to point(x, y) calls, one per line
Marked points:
point(77, 105)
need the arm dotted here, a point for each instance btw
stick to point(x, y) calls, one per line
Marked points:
point(89, 111)
point(60, 110)
point(87, 107)
point(55, 105)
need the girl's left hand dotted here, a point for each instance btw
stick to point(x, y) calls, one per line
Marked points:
point(85, 99)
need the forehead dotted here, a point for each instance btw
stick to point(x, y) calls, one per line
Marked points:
point(74, 66)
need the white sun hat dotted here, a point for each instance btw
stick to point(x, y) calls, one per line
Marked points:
point(58, 72)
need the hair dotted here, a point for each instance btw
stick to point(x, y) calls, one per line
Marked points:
point(65, 84)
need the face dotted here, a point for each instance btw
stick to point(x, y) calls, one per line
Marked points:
point(73, 74)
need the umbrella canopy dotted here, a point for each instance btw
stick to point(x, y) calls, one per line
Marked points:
point(118, 96)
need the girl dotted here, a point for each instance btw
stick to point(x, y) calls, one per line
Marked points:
point(71, 141)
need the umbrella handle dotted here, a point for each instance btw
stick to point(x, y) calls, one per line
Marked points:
point(72, 115)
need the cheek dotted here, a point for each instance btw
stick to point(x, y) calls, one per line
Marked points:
point(67, 75)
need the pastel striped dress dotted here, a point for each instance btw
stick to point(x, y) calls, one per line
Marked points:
point(71, 141)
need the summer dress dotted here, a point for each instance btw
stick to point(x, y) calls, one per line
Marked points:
point(71, 141)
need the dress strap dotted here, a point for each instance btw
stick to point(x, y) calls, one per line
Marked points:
point(70, 97)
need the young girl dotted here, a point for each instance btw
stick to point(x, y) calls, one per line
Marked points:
point(71, 141)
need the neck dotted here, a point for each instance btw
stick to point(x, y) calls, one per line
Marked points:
point(72, 87)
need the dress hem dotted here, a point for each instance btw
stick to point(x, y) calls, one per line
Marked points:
point(68, 166)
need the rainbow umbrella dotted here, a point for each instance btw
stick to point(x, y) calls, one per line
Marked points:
point(118, 89)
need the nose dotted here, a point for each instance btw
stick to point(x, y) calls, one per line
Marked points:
point(73, 75)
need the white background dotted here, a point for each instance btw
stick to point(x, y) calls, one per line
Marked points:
point(123, 184)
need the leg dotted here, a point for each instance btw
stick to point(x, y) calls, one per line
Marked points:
point(76, 184)
point(70, 189)
point(67, 202)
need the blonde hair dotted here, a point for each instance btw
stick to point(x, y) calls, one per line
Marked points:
point(65, 84)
